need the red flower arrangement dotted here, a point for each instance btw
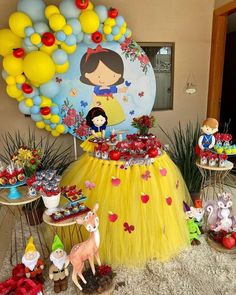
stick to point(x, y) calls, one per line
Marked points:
point(143, 124)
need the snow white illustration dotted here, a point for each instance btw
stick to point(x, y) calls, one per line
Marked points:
point(104, 69)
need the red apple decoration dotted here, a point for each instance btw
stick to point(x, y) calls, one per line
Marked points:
point(145, 198)
point(112, 12)
point(26, 88)
point(97, 37)
point(18, 52)
point(233, 235)
point(48, 39)
point(228, 242)
point(45, 111)
point(163, 171)
point(115, 181)
point(21, 176)
point(115, 155)
point(82, 4)
point(169, 201)
point(152, 152)
point(112, 217)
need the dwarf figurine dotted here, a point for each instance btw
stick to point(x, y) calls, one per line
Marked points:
point(194, 232)
point(57, 271)
point(207, 140)
point(33, 264)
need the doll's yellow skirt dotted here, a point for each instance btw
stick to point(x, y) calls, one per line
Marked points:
point(88, 146)
point(147, 202)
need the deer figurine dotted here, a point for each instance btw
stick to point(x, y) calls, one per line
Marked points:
point(86, 250)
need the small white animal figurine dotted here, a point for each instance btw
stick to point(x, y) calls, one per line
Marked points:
point(86, 250)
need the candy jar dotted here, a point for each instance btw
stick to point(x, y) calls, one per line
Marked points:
point(11, 174)
point(227, 138)
point(222, 160)
point(104, 150)
point(97, 151)
point(203, 158)
point(3, 179)
point(212, 159)
point(20, 173)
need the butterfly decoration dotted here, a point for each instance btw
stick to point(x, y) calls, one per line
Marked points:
point(146, 175)
point(141, 94)
point(73, 92)
point(131, 112)
point(89, 185)
point(83, 103)
point(127, 83)
point(177, 184)
point(125, 99)
point(128, 228)
point(58, 80)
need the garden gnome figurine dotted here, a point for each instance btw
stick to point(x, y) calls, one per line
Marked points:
point(57, 271)
point(194, 232)
point(207, 140)
point(33, 264)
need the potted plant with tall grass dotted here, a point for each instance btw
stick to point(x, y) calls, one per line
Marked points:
point(183, 142)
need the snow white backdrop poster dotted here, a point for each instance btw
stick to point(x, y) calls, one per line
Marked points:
point(116, 77)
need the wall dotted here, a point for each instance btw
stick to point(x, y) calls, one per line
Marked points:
point(185, 22)
point(219, 3)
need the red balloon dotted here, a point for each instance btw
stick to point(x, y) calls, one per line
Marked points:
point(48, 39)
point(45, 111)
point(97, 37)
point(26, 88)
point(115, 155)
point(82, 4)
point(112, 12)
point(18, 52)
point(152, 152)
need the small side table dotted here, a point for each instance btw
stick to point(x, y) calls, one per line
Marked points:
point(213, 180)
point(68, 230)
point(22, 230)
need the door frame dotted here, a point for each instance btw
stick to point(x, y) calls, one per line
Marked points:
point(219, 32)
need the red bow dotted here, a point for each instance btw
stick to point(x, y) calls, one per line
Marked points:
point(91, 51)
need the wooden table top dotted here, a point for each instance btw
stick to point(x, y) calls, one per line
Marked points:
point(24, 199)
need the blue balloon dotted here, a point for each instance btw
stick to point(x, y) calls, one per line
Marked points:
point(115, 30)
point(100, 29)
point(37, 100)
point(109, 37)
point(75, 24)
point(80, 37)
point(55, 110)
point(53, 126)
point(29, 48)
point(4, 74)
point(47, 122)
point(23, 108)
point(102, 13)
point(28, 42)
point(120, 20)
point(60, 57)
point(41, 27)
point(34, 9)
point(33, 93)
point(29, 31)
point(122, 39)
point(87, 39)
point(127, 33)
point(36, 118)
point(70, 40)
point(35, 110)
point(61, 36)
point(66, 129)
point(50, 89)
point(69, 9)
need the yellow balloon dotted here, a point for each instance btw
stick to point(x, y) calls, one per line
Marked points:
point(18, 21)
point(57, 22)
point(46, 102)
point(89, 21)
point(55, 133)
point(67, 30)
point(8, 41)
point(35, 39)
point(12, 65)
point(13, 91)
point(50, 10)
point(29, 102)
point(60, 128)
point(107, 29)
point(47, 117)
point(123, 30)
point(125, 24)
point(90, 6)
point(20, 98)
point(55, 119)
point(48, 128)
point(10, 80)
point(39, 67)
point(110, 22)
point(20, 79)
point(68, 49)
point(62, 68)
point(40, 124)
point(117, 37)
point(49, 49)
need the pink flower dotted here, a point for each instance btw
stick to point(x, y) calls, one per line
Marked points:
point(125, 45)
point(69, 121)
point(82, 130)
point(143, 59)
point(72, 112)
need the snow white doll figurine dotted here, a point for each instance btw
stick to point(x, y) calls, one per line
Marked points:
point(104, 69)
point(97, 120)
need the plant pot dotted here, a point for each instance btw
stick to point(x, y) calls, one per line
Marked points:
point(51, 203)
point(34, 216)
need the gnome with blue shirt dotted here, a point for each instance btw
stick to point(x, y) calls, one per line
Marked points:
point(207, 139)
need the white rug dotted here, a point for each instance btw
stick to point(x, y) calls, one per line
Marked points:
point(198, 270)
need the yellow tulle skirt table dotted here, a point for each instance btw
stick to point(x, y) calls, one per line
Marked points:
point(140, 208)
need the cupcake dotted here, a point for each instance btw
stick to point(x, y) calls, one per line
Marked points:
point(67, 212)
point(228, 151)
point(82, 207)
point(233, 149)
point(75, 209)
point(219, 150)
point(57, 215)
